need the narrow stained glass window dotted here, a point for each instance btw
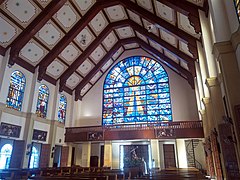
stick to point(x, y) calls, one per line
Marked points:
point(136, 90)
point(62, 109)
point(42, 101)
point(237, 6)
point(16, 91)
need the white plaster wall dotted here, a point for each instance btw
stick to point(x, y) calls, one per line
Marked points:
point(59, 135)
point(6, 83)
point(184, 104)
point(42, 127)
point(15, 120)
point(232, 15)
point(182, 156)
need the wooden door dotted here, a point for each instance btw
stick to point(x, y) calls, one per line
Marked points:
point(45, 155)
point(169, 155)
point(17, 154)
point(64, 156)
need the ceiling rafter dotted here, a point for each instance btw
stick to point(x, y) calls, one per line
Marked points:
point(161, 42)
point(90, 49)
point(33, 28)
point(2, 51)
point(169, 62)
point(72, 33)
point(165, 60)
point(100, 64)
point(187, 9)
point(72, 68)
point(187, 38)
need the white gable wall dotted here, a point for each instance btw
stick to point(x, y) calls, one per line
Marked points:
point(183, 97)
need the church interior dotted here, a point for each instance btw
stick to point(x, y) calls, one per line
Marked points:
point(96, 89)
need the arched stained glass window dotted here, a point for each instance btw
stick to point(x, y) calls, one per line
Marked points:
point(34, 160)
point(62, 109)
point(136, 90)
point(5, 156)
point(16, 90)
point(42, 101)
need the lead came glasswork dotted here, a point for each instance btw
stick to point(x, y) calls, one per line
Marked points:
point(136, 90)
point(42, 101)
point(16, 91)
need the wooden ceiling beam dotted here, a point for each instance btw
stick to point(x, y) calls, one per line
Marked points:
point(72, 68)
point(170, 63)
point(161, 42)
point(185, 37)
point(74, 31)
point(101, 64)
point(29, 32)
point(85, 54)
point(2, 51)
point(186, 8)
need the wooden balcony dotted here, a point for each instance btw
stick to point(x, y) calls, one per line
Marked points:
point(156, 130)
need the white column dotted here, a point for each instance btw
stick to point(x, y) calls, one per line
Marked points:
point(108, 153)
point(56, 98)
point(86, 153)
point(203, 70)
point(4, 66)
point(155, 152)
point(207, 55)
point(199, 85)
point(220, 21)
point(182, 155)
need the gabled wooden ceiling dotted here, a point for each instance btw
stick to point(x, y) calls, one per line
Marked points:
point(74, 42)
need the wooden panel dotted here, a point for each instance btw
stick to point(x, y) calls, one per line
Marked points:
point(216, 155)
point(237, 123)
point(17, 154)
point(45, 155)
point(64, 156)
point(228, 151)
point(169, 155)
point(135, 134)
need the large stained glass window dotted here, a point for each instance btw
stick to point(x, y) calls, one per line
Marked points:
point(42, 101)
point(62, 109)
point(16, 90)
point(136, 90)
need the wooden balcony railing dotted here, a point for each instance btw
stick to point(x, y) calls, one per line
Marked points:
point(153, 130)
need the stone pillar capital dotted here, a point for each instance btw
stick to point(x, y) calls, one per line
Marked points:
point(206, 100)
point(213, 81)
point(222, 48)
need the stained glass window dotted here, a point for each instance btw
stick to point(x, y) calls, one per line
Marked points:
point(136, 90)
point(237, 5)
point(16, 90)
point(42, 101)
point(62, 109)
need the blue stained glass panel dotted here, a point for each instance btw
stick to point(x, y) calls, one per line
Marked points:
point(16, 90)
point(42, 101)
point(140, 92)
point(62, 108)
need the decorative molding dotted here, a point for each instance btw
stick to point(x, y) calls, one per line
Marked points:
point(213, 81)
point(222, 48)
point(206, 100)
